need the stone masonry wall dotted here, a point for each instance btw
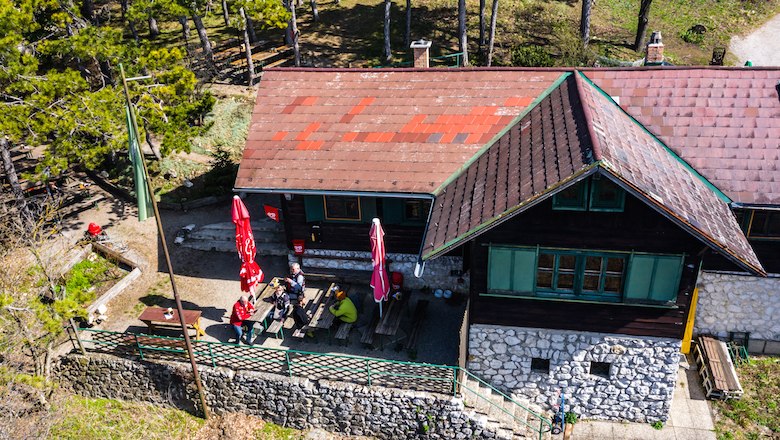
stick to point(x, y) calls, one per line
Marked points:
point(437, 274)
point(641, 379)
point(730, 302)
point(298, 403)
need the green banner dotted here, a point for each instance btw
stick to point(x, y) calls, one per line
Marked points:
point(145, 209)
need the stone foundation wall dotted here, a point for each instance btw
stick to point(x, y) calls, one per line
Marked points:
point(731, 302)
point(641, 379)
point(437, 274)
point(293, 402)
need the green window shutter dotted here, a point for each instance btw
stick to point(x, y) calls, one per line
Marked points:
point(654, 278)
point(393, 211)
point(512, 269)
point(314, 207)
point(499, 269)
point(666, 279)
point(640, 277)
point(524, 270)
point(368, 208)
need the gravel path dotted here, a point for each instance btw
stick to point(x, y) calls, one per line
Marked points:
point(762, 46)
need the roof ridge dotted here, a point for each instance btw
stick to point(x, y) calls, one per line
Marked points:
point(588, 118)
point(463, 168)
point(677, 157)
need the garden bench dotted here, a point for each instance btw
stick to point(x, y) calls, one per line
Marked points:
point(417, 320)
point(342, 334)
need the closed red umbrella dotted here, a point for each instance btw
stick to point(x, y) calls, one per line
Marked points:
point(379, 280)
point(250, 272)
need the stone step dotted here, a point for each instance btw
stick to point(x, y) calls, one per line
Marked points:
point(266, 231)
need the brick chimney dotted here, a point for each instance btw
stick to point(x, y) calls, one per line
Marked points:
point(655, 50)
point(421, 50)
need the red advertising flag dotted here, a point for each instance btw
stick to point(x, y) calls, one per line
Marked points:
point(271, 212)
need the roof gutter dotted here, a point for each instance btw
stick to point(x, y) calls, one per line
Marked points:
point(757, 207)
point(318, 192)
point(419, 267)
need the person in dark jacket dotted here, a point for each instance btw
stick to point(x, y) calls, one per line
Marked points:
point(295, 283)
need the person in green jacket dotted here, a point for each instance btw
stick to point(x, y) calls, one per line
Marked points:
point(344, 309)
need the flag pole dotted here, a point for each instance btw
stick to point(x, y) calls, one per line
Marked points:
point(179, 309)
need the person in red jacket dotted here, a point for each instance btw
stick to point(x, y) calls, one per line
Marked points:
point(242, 310)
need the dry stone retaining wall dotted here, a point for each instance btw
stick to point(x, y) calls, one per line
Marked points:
point(641, 379)
point(731, 302)
point(294, 402)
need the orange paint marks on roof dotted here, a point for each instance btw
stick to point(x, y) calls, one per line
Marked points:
point(521, 101)
point(349, 136)
point(279, 136)
point(367, 101)
point(309, 100)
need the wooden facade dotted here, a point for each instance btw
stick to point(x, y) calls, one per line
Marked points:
point(638, 229)
point(400, 236)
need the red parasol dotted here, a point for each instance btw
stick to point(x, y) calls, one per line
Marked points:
point(250, 273)
point(379, 280)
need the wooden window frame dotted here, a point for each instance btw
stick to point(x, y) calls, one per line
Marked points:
point(582, 205)
point(595, 187)
point(423, 217)
point(342, 219)
point(577, 291)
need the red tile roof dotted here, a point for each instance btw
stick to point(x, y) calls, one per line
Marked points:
point(379, 130)
point(575, 128)
point(723, 122)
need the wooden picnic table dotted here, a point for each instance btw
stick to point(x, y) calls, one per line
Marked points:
point(156, 316)
point(391, 318)
point(322, 318)
point(262, 307)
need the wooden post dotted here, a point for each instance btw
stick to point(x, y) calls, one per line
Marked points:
point(179, 308)
point(78, 338)
point(688, 335)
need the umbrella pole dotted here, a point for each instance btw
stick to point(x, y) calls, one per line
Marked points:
point(179, 308)
point(380, 309)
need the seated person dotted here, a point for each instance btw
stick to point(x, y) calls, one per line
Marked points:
point(295, 283)
point(281, 302)
point(300, 315)
point(344, 309)
point(242, 310)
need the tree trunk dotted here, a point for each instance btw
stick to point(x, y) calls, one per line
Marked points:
point(250, 65)
point(293, 26)
point(106, 71)
point(481, 27)
point(123, 7)
point(10, 170)
point(250, 28)
point(462, 39)
point(587, 5)
point(314, 12)
point(408, 32)
point(388, 50)
point(88, 10)
point(154, 30)
point(133, 30)
point(152, 146)
point(641, 27)
point(185, 29)
point(492, 37)
point(225, 13)
point(204, 38)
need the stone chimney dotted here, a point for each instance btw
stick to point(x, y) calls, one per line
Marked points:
point(421, 50)
point(655, 49)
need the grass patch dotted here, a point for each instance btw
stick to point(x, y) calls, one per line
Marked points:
point(271, 431)
point(106, 419)
point(90, 277)
point(757, 414)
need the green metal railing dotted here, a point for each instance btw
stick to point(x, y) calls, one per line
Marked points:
point(442, 379)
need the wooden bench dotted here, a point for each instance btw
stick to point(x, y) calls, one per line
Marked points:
point(716, 369)
point(342, 334)
point(370, 333)
point(276, 328)
point(417, 320)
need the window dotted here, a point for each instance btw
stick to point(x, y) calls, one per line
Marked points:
point(606, 196)
point(595, 194)
point(584, 275)
point(414, 211)
point(580, 273)
point(600, 369)
point(573, 198)
point(764, 224)
point(342, 208)
point(539, 365)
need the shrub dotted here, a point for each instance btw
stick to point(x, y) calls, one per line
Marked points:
point(531, 56)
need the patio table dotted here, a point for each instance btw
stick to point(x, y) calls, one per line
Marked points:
point(156, 317)
point(391, 319)
point(322, 318)
point(262, 307)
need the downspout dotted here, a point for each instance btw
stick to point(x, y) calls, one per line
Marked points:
point(419, 267)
